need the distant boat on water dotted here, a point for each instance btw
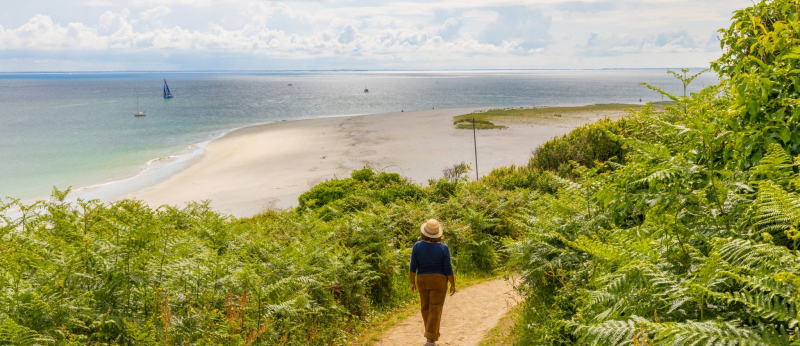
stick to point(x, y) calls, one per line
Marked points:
point(366, 90)
point(138, 113)
point(167, 94)
point(290, 84)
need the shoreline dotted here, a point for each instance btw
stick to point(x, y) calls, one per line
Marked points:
point(111, 189)
point(266, 167)
point(385, 141)
point(318, 151)
point(115, 189)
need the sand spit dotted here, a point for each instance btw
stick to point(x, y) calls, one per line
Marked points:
point(268, 166)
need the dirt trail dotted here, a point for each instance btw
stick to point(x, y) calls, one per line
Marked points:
point(467, 317)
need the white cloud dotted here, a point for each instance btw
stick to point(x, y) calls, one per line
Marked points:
point(522, 25)
point(41, 33)
point(450, 28)
point(380, 22)
point(155, 13)
point(98, 3)
point(111, 22)
point(348, 34)
point(678, 41)
point(199, 3)
point(459, 34)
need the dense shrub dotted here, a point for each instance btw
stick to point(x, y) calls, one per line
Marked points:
point(585, 145)
point(473, 251)
point(516, 177)
point(364, 174)
point(326, 193)
point(443, 188)
point(358, 192)
point(759, 67)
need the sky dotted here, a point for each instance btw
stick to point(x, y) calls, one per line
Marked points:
point(178, 35)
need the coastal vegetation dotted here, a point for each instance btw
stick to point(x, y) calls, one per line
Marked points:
point(685, 231)
point(124, 273)
point(485, 120)
point(468, 124)
point(670, 226)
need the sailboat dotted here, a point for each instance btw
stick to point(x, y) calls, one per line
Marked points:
point(138, 113)
point(167, 94)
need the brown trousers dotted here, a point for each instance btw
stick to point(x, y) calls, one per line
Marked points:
point(432, 291)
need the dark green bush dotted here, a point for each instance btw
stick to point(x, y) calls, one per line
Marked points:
point(472, 251)
point(443, 188)
point(760, 63)
point(516, 177)
point(385, 179)
point(364, 174)
point(585, 145)
point(326, 192)
point(396, 192)
point(358, 192)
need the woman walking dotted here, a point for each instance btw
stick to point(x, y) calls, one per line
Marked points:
point(430, 271)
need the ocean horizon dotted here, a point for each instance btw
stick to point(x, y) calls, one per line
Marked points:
point(693, 68)
point(77, 128)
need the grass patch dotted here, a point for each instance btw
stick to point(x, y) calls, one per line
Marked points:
point(487, 119)
point(466, 124)
point(370, 333)
point(504, 333)
point(665, 103)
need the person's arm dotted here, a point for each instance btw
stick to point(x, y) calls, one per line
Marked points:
point(448, 270)
point(452, 279)
point(413, 269)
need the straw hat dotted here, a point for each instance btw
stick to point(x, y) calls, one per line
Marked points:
point(431, 229)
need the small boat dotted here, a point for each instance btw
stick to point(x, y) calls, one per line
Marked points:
point(167, 94)
point(366, 90)
point(138, 113)
point(290, 84)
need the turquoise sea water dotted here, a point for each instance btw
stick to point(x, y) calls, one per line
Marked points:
point(78, 129)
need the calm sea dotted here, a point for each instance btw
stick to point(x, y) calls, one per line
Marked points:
point(78, 129)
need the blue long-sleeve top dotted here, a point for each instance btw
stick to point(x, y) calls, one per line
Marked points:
point(431, 258)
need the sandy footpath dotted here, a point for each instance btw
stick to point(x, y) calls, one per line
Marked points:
point(268, 166)
point(467, 317)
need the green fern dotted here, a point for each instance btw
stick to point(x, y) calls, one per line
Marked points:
point(776, 166)
point(763, 305)
point(777, 211)
point(714, 334)
point(611, 333)
point(684, 333)
point(14, 334)
point(60, 195)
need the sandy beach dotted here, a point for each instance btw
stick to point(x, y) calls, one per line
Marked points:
point(268, 166)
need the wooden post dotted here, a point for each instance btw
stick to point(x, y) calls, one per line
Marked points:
point(475, 141)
